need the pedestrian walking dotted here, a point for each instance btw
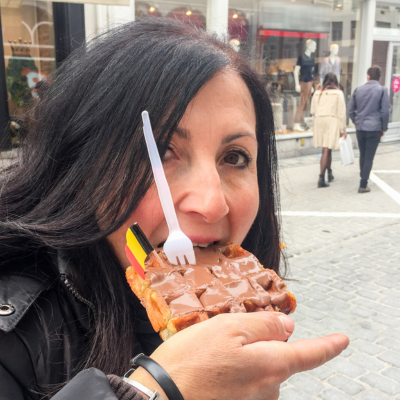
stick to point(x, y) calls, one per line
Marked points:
point(369, 110)
point(329, 110)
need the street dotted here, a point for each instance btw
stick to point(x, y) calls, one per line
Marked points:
point(344, 258)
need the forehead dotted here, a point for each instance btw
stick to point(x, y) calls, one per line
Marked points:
point(224, 100)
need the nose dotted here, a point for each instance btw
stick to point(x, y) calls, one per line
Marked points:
point(203, 196)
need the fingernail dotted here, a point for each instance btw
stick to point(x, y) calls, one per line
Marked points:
point(287, 322)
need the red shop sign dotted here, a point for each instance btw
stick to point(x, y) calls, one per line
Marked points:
point(396, 84)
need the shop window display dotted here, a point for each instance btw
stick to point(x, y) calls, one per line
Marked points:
point(29, 55)
point(294, 54)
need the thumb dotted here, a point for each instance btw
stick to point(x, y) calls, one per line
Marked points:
point(263, 326)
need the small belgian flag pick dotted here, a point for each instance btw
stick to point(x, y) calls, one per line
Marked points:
point(137, 248)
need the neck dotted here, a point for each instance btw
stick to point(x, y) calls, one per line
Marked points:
point(307, 52)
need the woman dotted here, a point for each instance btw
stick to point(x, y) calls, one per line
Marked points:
point(329, 112)
point(84, 176)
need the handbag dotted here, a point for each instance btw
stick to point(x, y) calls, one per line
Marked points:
point(346, 150)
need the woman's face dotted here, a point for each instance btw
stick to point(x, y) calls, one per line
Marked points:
point(211, 169)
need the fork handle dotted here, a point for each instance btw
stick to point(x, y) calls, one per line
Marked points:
point(164, 192)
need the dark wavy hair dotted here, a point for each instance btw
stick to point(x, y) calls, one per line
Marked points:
point(84, 167)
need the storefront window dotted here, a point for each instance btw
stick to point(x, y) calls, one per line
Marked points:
point(276, 35)
point(320, 36)
point(29, 53)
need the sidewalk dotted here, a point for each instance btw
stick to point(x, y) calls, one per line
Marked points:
point(344, 254)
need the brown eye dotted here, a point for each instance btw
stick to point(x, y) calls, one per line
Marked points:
point(232, 158)
point(237, 159)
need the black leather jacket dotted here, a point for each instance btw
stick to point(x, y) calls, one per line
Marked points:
point(44, 327)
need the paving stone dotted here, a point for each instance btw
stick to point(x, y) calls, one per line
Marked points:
point(308, 312)
point(293, 394)
point(392, 373)
point(363, 312)
point(390, 343)
point(373, 394)
point(387, 282)
point(342, 295)
point(380, 382)
point(315, 326)
point(367, 303)
point(321, 372)
point(367, 347)
point(363, 333)
point(391, 357)
point(347, 352)
point(306, 383)
point(344, 367)
point(346, 385)
point(367, 361)
point(333, 394)
point(385, 320)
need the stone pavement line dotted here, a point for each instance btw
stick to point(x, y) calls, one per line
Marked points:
point(385, 187)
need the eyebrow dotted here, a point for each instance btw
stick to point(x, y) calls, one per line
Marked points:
point(185, 134)
point(231, 138)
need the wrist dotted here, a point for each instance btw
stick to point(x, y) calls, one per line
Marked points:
point(142, 376)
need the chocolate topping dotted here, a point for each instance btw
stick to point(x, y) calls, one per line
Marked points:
point(167, 282)
point(198, 278)
point(216, 296)
point(221, 283)
point(187, 303)
point(225, 273)
point(243, 291)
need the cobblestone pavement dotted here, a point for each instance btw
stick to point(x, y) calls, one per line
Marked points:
point(346, 272)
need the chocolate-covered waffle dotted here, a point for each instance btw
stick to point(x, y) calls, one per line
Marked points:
point(224, 279)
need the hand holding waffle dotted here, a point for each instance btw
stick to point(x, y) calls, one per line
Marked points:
point(239, 356)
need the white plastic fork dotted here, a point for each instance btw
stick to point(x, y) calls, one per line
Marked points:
point(178, 247)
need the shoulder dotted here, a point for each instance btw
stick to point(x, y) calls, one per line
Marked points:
point(20, 289)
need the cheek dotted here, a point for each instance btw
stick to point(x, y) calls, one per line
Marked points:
point(243, 208)
point(149, 213)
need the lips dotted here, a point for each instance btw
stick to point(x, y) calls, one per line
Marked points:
point(197, 242)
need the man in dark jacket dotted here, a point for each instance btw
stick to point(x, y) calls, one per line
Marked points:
point(369, 110)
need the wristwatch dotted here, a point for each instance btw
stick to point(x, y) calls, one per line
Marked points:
point(151, 395)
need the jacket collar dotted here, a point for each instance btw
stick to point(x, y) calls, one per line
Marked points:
point(19, 291)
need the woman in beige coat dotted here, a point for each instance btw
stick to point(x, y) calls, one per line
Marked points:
point(329, 110)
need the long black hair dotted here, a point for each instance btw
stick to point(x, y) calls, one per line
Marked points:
point(330, 81)
point(84, 168)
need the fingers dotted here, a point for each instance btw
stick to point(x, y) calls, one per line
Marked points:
point(277, 361)
point(259, 326)
point(311, 353)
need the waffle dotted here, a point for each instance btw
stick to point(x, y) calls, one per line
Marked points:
point(224, 280)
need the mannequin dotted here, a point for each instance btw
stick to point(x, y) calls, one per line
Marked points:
point(332, 63)
point(303, 82)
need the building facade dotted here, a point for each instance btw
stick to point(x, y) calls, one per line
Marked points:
point(291, 43)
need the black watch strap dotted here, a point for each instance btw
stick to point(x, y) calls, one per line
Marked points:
point(159, 374)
